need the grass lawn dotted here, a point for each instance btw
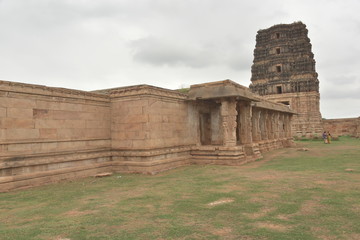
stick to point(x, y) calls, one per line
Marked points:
point(290, 194)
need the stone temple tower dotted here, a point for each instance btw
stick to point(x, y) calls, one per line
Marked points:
point(283, 71)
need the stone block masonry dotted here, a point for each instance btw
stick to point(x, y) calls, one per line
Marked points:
point(284, 71)
point(343, 126)
point(51, 134)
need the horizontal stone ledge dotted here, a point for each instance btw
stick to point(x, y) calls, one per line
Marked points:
point(42, 180)
point(152, 170)
point(218, 147)
point(21, 177)
point(218, 154)
point(141, 90)
point(54, 141)
point(150, 163)
point(228, 162)
point(53, 160)
point(150, 152)
point(29, 153)
point(148, 97)
point(52, 155)
point(49, 91)
point(273, 107)
point(239, 156)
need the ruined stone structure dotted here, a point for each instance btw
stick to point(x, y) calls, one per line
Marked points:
point(283, 71)
point(49, 134)
point(343, 126)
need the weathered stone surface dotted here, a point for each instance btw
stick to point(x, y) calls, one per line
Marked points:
point(284, 72)
point(51, 134)
point(220, 89)
point(343, 127)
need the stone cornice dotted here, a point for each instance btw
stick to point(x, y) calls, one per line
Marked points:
point(265, 104)
point(143, 90)
point(221, 89)
point(23, 88)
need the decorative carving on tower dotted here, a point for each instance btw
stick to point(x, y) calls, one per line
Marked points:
point(283, 71)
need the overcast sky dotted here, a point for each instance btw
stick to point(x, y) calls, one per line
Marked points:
point(89, 45)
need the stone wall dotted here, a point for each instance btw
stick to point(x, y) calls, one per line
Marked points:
point(151, 129)
point(307, 122)
point(48, 134)
point(343, 126)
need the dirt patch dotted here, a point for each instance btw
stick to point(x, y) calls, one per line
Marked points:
point(227, 233)
point(262, 213)
point(340, 185)
point(270, 175)
point(75, 213)
point(356, 209)
point(220, 202)
point(229, 188)
point(324, 182)
point(349, 170)
point(311, 207)
point(284, 217)
point(322, 233)
point(303, 149)
point(272, 226)
point(221, 231)
point(268, 156)
point(354, 236)
point(61, 238)
point(264, 197)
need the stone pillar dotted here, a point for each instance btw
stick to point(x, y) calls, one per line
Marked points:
point(245, 123)
point(282, 125)
point(228, 116)
point(271, 125)
point(262, 124)
point(287, 125)
point(267, 128)
point(256, 135)
point(277, 125)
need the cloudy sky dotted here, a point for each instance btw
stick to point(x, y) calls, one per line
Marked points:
point(97, 44)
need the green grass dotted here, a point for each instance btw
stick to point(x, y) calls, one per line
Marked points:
point(290, 194)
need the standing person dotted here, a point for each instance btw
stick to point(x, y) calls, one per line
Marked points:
point(325, 137)
point(328, 137)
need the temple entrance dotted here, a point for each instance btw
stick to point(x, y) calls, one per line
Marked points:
point(205, 128)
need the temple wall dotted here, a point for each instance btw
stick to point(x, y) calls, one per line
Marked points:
point(307, 121)
point(152, 129)
point(48, 134)
point(343, 126)
point(51, 134)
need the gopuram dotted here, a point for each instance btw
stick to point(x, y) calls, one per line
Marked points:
point(283, 71)
point(49, 134)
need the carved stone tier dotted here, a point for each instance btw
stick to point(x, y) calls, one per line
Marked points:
point(283, 71)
